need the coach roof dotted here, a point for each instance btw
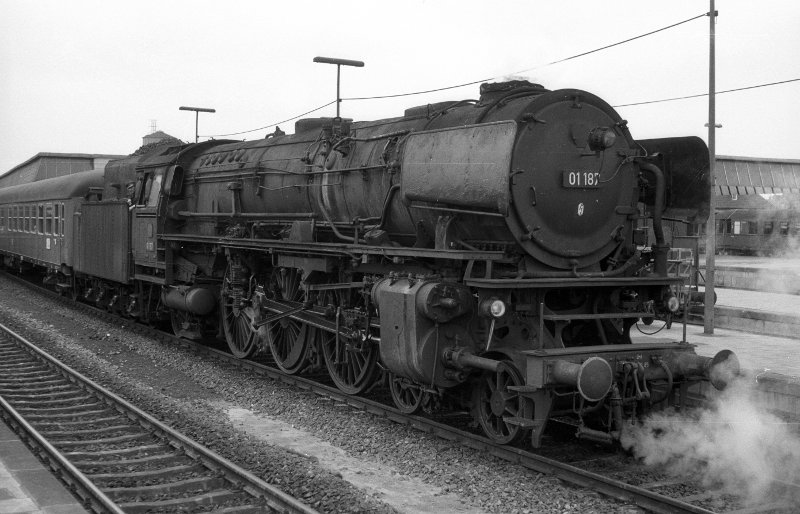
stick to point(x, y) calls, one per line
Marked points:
point(58, 188)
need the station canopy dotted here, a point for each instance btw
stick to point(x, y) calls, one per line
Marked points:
point(750, 176)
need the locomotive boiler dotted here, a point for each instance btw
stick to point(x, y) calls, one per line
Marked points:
point(489, 254)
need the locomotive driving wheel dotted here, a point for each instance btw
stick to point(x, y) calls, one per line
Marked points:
point(289, 339)
point(499, 410)
point(238, 312)
point(407, 395)
point(350, 356)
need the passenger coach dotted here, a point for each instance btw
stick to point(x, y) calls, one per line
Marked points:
point(34, 220)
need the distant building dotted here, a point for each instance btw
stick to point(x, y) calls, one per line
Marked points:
point(48, 165)
point(155, 137)
point(753, 175)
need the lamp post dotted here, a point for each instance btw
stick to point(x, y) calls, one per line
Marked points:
point(711, 225)
point(339, 63)
point(197, 111)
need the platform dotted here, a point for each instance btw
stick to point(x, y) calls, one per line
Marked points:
point(771, 363)
point(26, 485)
point(757, 353)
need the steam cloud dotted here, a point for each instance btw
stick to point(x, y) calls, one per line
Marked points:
point(736, 447)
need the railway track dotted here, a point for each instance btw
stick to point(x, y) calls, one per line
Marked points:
point(115, 457)
point(614, 475)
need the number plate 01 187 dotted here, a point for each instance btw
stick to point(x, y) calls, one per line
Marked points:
point(581, 178)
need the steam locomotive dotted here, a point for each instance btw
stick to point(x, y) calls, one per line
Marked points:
point(486, 254)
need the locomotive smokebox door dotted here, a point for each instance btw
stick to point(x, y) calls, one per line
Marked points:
point(572, 186)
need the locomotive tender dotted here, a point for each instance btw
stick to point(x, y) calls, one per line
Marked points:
point(487, 254)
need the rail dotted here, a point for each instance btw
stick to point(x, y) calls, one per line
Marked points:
point(23, 361)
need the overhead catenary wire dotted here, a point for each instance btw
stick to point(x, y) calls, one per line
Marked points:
point(699, 95)
point(582, 54)
point(472, 83)
point(274, 124)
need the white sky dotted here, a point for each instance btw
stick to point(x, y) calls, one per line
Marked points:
point(88, 76)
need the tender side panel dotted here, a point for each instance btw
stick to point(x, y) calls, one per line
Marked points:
point(103, 233)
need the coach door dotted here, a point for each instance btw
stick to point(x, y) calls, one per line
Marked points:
point(145, 225)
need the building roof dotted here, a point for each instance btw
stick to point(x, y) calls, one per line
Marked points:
point(42, 155)
point(158, 134)
point(752, 175)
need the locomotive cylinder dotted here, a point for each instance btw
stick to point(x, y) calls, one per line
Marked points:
point(197, 300)
point(419, 320)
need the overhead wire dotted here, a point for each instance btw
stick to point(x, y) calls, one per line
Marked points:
point(582, 54)
point(616, 44)
point(274, 124)
point(472, 83)
point(698, 95)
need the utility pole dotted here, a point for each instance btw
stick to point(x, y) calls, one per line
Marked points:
point(339, 63)
point(197, 111)
point(711, 225)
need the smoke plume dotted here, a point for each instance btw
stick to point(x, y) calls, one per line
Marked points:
point(736, 447)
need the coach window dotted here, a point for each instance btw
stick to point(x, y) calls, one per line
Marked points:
point(55, 219)
point(26, 220)
point(40, 220)
point(784, 228)
point(769, 226)
point(2, 218)
point(48, 218)
point(61, 229)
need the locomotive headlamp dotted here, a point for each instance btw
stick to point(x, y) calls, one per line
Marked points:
point(493, 307)
point(601, 138)
point(673, 304)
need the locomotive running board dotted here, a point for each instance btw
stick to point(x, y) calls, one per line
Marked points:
point(338, 249)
